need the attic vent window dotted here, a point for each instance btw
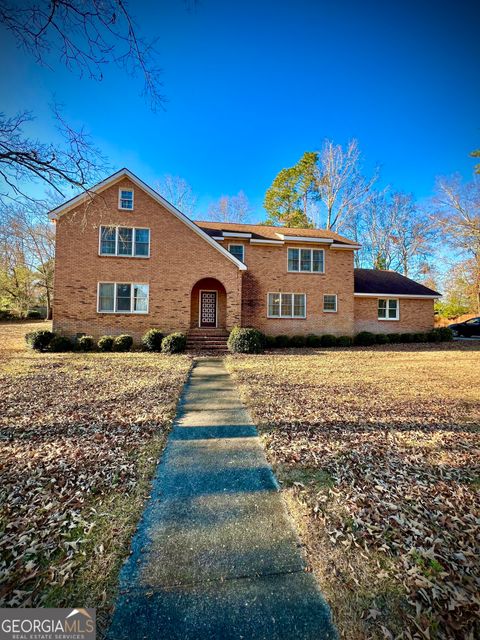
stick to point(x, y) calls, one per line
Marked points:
point(125, 199)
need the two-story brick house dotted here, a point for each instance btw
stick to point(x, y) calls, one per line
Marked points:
point(127, 260)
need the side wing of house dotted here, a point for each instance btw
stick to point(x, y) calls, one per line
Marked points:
point(127, 261)
point(387, 302)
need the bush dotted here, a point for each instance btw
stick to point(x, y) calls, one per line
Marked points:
point(39, 340)
point(394, 338)
point(244, 340)
point(328, 340)
point(406, 337)
point(270, 342)
point(152, 340)
point(105, 343)
point(281, 342)
point(344, 341)
point(5, 314)
point(122, 343)
point(174, 343)
point(34, 314)
point(418, 337)
point(60, 344)
point(445, 333)
point(85, 343)
point(365, 339)
point(313, 340)
point(298, 341)
point(382, 338)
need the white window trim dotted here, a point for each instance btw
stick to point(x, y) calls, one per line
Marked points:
point(397, 318)
point(116, 254)
point(237, 244)
point(132, 284)
point(300, 249)
point(286, 293)
point(200, 307)
point(120, 189)
point(333, 295)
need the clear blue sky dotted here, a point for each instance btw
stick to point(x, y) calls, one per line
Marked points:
point(252, 85)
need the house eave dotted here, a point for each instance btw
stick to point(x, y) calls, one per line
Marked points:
point(397, 295)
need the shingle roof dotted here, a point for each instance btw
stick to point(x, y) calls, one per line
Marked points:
point(269, 233)
point(389, 282)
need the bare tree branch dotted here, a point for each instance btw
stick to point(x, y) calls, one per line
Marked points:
point(86, 35)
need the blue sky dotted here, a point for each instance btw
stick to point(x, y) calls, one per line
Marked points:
point(252, 85)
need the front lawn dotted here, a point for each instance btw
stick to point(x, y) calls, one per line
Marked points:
point(378, 454)
point(81, 434)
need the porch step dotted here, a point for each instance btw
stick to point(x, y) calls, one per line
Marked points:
point(207, 340)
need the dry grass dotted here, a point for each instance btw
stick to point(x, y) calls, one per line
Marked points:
point(378, 453)
point(81, 434)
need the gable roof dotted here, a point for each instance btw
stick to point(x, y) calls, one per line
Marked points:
point(375, 281)
point(125, 173)
point(279, 234)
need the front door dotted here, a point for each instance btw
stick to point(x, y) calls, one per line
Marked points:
point(208, 308)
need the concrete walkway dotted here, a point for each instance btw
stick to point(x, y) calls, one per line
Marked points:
point(216, 555)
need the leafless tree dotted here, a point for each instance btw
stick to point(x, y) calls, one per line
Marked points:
point(376, 232)
point(86, 36)
point(413, 233)
point(178, 192)
point(457, 214)
point(74, 164)
point(343, 189)
point(230, 209)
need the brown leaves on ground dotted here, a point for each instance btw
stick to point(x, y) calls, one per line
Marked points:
point(380, 449)
point(73, 429)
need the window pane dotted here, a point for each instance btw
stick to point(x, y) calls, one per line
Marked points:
point(106, 297)
point(274, 304)
point(237, 251)
point(123, 297)
point(305, 260)
point(299, 305)
point(286, 305)
point(126, 199)
point(125, 243)
point(329, 303)
point(293, 259)
point(392, 308)
point(317, 264)
point(140, 297)
point(107, 240)
point(142, 242)
point(382, 308)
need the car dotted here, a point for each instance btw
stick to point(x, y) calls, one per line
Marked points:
point(468, 329)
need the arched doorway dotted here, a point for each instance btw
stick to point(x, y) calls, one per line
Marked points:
point(208, 304)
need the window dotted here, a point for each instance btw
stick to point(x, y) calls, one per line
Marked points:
point(107, 240)
point(125, 199)
point(306, 260)
point(388, 309)
point(286, 305)
point(330, 303)
point(125, 241)
point(237, 250)
point(116, 297)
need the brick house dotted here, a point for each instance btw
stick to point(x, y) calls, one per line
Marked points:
point(127, 260)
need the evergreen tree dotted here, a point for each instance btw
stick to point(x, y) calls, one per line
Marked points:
point(292, 193)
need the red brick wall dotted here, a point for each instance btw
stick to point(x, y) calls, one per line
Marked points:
point(416, 315)
point(267, 273)
point(178, 259)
